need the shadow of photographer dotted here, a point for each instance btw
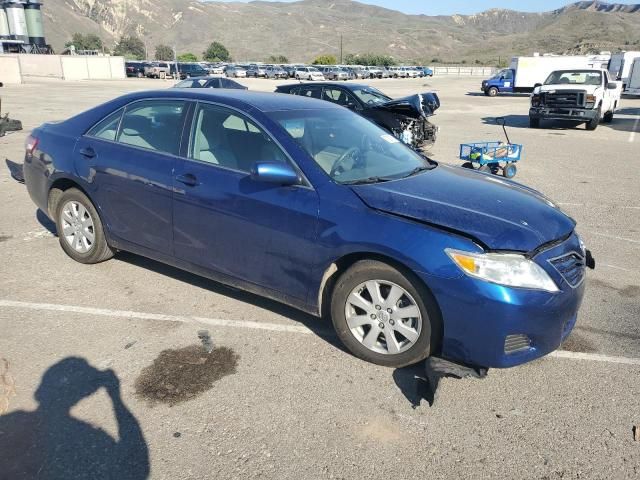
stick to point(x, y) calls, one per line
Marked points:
point(50, 443)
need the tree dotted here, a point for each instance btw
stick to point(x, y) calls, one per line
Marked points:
point(187, 57)
point(277, 59)
point(372, 59)
point(325, 60)
point(90, 41)
point(164, 53)
point(130, 47)
point(216, 52)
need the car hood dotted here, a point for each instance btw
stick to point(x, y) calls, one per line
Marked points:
point(590, 89)
point(500, 214)
point(415, 106)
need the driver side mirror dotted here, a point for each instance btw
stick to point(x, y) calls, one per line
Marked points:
point(612, 86)
point(275, 172)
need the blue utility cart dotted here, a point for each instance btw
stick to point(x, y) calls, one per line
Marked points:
point(492, 157)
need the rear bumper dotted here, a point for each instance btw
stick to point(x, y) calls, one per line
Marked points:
point(481, 319)
point(572, 114)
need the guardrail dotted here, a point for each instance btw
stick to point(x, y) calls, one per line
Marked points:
point(465, 71)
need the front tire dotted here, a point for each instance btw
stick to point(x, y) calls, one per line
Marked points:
point(509, 170)
point(593, 124)
point(80, 230)
point(491, 92)
point(534, 122)
point(608, 117)
point(384, 316)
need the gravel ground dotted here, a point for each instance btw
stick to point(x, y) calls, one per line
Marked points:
point(281, 398)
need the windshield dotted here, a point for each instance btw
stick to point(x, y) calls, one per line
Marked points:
point(313, 69)
point(370, 95)
point(350, 148)
point(580, 77)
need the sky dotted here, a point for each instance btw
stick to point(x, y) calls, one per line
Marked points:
point(466, 7)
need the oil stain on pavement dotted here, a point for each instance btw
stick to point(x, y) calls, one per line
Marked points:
point(182, 374)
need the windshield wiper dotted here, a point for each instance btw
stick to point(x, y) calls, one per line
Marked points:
point(419, 169)
point(364, 181)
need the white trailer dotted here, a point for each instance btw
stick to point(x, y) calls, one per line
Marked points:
point(633, 85)
point(620, 66)
point(532, 70)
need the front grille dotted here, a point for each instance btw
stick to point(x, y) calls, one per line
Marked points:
point(516, 343)
point(571, 266)
point(565, 99)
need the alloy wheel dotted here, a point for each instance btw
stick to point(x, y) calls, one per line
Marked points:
point(383, 317)
point(77, 226)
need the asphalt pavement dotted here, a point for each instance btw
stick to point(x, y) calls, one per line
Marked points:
point(108, 357)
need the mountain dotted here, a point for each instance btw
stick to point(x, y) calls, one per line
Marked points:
point(304, 29)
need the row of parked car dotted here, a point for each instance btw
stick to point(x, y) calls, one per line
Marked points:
point(325, 72)
point(179, 70)
point(255, 70)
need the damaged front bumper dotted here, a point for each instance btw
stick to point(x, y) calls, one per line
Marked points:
point(408, 119)
point(497, 326)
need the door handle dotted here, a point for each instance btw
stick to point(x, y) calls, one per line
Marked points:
point(188, 179)
point(88, 152)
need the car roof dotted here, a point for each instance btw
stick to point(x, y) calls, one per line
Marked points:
point(262, 101)
point(348, 86)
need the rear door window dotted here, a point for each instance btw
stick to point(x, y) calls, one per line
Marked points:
point(154, 125)
point(107, 128)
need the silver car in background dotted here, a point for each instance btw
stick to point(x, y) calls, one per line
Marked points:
point(335, 73)
point(275, 72)
point(234, 71)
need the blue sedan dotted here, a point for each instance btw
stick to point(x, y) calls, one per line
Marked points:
point(308, 203)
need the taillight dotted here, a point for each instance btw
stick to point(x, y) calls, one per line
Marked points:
point(30, 144)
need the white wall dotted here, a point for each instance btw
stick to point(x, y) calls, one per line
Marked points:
point(61, 67)
point(10, 69)
point(117, 67)
point(74, 68)
point(40, 66)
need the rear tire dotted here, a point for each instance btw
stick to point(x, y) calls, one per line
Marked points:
point(608, 117)
point(387, 280)
point(80, 230)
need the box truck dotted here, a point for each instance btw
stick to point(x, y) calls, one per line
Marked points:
point(525, 73)
point(620, 66)
point(633, 85)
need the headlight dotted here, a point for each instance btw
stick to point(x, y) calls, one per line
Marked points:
point(591, 99)
point(535, 100)
point(507, 269)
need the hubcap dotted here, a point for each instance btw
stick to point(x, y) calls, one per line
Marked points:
point(383, 317)
point(77, 227)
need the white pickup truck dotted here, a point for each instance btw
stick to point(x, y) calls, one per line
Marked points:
point(581, 95)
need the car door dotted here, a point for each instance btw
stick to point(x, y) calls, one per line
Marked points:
point(507, 81)
point(129, 157)
point(224, 221)
point(608, 95)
